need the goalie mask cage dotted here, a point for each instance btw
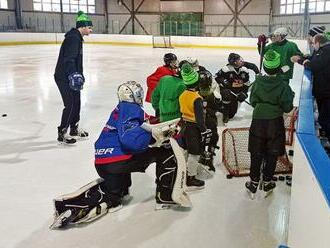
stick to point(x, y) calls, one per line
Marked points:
point(161, 42)
point(235, 155)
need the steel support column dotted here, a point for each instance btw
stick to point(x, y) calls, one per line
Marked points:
point(18, 14)
point(307, 22)
point(106, 16)
point(133, 17)
point(62, 17)
point(236, 12)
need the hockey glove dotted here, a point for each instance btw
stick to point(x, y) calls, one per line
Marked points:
point(262, 40)
point(76, 81)
point(241, 96)
point(226, 95)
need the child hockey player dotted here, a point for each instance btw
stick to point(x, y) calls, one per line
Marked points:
point(123, 148)
point(281, 45)
point(165, 98)
point(270, 97)
point(234, 82)
point(169, 68)
point(191, 107)
point(212, 105)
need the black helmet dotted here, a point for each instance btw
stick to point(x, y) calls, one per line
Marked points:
point(169, 58)
point(233, 57)
point(205, 82)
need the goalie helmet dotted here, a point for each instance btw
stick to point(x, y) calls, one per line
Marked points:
point(130, 91)
point(170, 59)
point(194, 62)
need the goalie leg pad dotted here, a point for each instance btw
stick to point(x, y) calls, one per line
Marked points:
point(171, 178)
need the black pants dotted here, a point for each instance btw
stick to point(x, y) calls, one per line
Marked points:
point(324, 115)
point(192, 138)
point(117, 175)
point(230, 102)
point(71, 101)
point(266, 143)
point(268, 169)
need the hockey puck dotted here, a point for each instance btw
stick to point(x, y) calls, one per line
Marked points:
point(288, 183)
point(4, 115)
point(288, 177)
point(229, 176)
point(290, 153)
point(275, 178)
point(281, 178)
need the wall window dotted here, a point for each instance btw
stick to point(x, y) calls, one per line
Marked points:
point(88, 6)
point(3, 4)
point(288, 7)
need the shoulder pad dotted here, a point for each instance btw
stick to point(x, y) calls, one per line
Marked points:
point(228, 68)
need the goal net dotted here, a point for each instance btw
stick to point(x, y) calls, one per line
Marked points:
point(235, 155)
point(161, 42)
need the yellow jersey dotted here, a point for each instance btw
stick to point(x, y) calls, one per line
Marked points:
point(186, 101)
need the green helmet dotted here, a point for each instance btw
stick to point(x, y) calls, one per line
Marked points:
point(272, 59)
point(189, 75)
point(272, 62)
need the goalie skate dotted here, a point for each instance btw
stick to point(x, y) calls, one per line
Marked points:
point(83, 204)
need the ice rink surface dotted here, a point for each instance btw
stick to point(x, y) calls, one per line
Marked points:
point(35, 169)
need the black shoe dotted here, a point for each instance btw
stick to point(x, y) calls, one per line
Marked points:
point(194, 183)
point(78, 132)
point(251, 187)
point(64, 138)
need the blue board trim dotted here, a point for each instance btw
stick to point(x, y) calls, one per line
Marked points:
point(314, 152)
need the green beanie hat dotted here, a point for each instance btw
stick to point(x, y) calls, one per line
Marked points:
point(272, 60)
point(189, 75)
point(83, 20)
point(327, 34)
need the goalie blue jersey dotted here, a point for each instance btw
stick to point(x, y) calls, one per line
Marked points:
point(122, 136)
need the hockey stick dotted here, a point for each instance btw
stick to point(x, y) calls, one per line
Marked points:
point(261, 56)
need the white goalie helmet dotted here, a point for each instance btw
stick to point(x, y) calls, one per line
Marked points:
point(283, 32)
point(130, 91)
point(194, 62)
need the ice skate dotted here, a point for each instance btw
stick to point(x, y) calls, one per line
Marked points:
point(78, 133)
point(63, 219)
point(268, 188)
point(194, 184)
point(64, 138)
point(252, 187)
point(163, 204)
point(182, 202)
point(98, 212)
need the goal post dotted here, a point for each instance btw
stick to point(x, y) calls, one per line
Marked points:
point(161, 41)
